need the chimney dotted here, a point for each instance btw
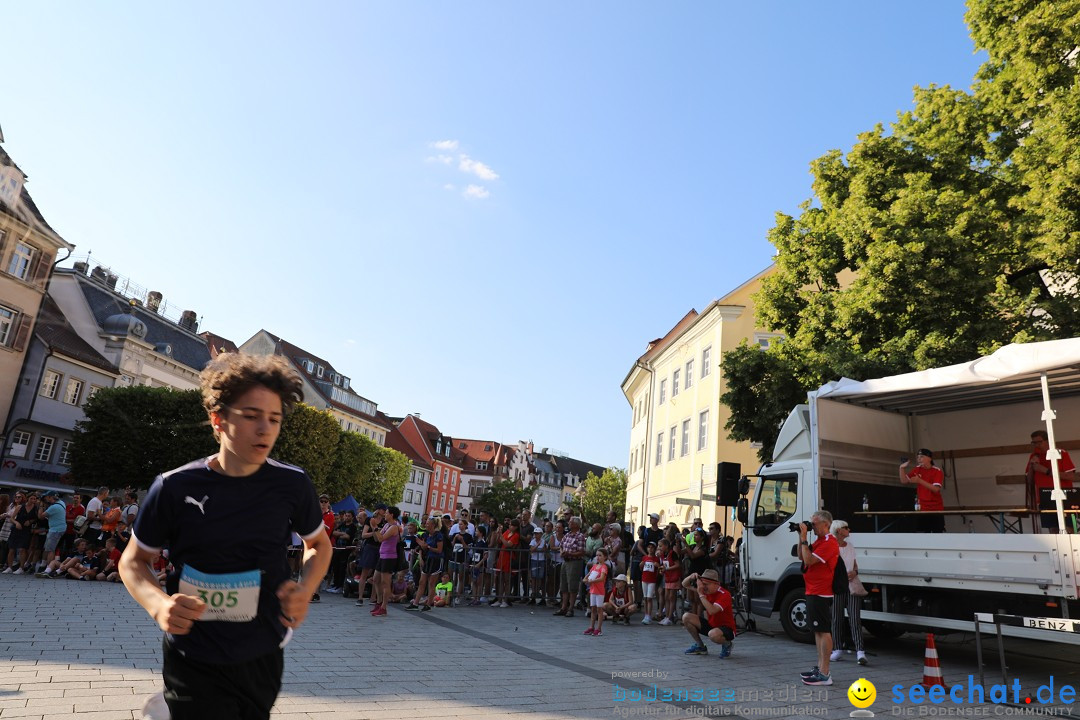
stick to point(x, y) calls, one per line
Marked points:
point(187, 320)
point(153, 301)
point(530, 447)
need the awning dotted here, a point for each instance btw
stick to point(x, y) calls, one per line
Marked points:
point(1012, 374)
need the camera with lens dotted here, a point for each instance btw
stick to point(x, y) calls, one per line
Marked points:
point(794, 526)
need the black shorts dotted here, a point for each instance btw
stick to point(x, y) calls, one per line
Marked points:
point(729, 633)
point(196, 690)
point(387, 565)
point(819, 613)
point(433, 566)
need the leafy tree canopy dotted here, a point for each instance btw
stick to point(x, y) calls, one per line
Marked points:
point(603, 494)
point(132, 434)
point(951, 233)
point(309, 439)
point(504, 499)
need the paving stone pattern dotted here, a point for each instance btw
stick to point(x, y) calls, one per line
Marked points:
point(85, 650)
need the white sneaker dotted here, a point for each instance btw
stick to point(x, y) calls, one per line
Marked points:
point(666, 621)
point(18, 572)
point(646, 620)
point(836, 655)
point(156, 708)
point(504, 604)
point(7, 571)
point(484, 599)
point(862, 658)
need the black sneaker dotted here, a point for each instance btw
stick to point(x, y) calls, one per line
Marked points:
point(315, 597)
point(810, 673)
point(817, 679)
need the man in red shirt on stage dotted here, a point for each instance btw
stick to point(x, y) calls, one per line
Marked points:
point(1041, 477)
point(929, 479)
point(819, 560)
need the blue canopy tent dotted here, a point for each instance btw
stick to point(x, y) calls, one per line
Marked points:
point(349, 503)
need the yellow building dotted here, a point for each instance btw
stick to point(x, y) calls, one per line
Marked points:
point(28, 249)
point(677, 434)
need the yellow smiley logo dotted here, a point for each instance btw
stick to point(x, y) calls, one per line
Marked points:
point(862, 693)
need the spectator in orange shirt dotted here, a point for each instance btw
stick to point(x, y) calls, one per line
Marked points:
point(1040, 474)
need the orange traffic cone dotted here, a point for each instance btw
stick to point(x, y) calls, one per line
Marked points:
point(931, 674)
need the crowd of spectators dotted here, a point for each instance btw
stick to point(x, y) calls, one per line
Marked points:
point(49, 537)
point(382, 557)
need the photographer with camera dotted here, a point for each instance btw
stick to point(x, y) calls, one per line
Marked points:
point(716, 616)
point(819, 564)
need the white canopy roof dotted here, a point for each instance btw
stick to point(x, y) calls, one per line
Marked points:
point(1009, 375)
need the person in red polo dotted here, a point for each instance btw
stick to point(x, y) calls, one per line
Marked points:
point(717, 617)
point(1040, 474)
point(929, 480)
point(820, 561)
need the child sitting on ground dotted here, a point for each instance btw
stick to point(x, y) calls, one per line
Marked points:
point(620, 601)
point(443, 590)
point(111, 569)
point(58, 568)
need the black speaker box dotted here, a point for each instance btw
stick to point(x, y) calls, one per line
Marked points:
point(727, 483)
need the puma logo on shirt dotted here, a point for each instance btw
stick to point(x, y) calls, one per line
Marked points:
point(197, 503)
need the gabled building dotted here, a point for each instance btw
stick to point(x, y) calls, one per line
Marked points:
point(143, 337)
point(414, 500)
point(217, 344)
point(562, 475)
point(677, 434)
point(62, 371)
point(437, 450)
point(28, 249)
point(325, 387)
point(483, 461)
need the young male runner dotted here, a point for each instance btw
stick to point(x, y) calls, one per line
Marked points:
point(229, 606)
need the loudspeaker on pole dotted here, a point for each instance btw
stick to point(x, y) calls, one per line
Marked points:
point(727, 483)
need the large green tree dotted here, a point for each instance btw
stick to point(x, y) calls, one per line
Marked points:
point(132, 434)
point(309, 439)
point(504, 499)
point(602, 494)
point(941, 238)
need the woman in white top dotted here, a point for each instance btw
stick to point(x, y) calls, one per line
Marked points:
point(848, 600)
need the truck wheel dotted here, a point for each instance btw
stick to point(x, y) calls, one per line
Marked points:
point(884, 630)
point(794, 618)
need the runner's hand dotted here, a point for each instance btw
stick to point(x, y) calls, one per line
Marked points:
point(178, 613)
point(294, 603)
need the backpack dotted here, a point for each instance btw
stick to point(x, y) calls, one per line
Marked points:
point(81, 525)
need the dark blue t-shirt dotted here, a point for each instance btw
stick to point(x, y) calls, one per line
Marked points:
point(221, 524)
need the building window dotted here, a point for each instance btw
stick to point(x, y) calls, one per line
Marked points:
point(706, 357)
point(633, 458)
point(92, 391)
point(671, 445)
point(703, 430)
point(659, 447)
point(319, 372)
point(408, 496)
point(65, 453)
point(7, 326)
point(43, 453)
point(767, 340)
point(689, 373)
point(20, 444)
point(442, 499)
point(685, 448)
point(72, 391)
point(481, 465)
point(663, 391)
point(50, 383)
point(20, 261)
point(674, 383)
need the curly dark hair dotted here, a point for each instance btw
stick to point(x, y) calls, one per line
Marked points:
point(230, 375)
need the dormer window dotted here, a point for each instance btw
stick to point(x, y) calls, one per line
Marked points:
point(319, 372)
point(438, 447)
point(447, 450)
point(308, 365)
point(337, 379)
point(345, 383)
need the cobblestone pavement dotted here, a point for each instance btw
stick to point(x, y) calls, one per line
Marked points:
point(87, 651)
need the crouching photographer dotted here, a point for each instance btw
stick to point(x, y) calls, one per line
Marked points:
point(717, 617)
point(819, 563)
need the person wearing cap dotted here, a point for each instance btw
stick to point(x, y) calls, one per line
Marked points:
point(717, 617)
point(654, 533)
point(537, 566)
point(55, 513)
point(1040, 475)
point(929, 480)
point(619, 603)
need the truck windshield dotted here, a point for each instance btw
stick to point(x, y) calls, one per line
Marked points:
point(776, 500)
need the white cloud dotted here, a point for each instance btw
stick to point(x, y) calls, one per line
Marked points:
point(476, 191)
point(444, 145)
point(477, 168)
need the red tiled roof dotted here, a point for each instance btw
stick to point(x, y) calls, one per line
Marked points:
point(396, 441)
point(429, 435)
point(218, 344)
point(474, 451)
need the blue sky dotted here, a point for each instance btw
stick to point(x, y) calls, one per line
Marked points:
point(479, 211)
